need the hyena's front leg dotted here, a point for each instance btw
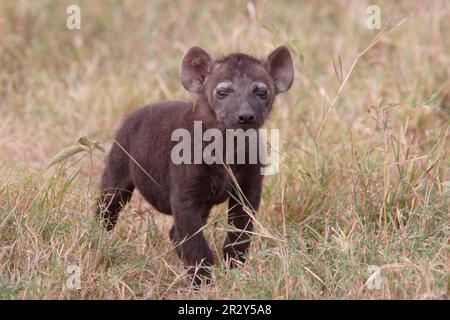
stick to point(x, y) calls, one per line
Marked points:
point(237, 241)
point(187, 236)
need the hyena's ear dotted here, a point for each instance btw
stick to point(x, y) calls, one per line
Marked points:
point(195, 67)
point(281, 68)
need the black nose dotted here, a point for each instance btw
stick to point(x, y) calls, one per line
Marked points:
point(246, 117)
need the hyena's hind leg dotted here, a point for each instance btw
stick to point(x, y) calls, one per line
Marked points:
point(116, 188)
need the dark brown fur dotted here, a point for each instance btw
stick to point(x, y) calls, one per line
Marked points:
point(189, 191)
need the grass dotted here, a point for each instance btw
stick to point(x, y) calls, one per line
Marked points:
point(363, 181)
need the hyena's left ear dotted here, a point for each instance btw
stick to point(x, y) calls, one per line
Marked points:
point(281, 68)
point(195, 67)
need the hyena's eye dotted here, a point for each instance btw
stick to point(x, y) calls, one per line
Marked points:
point(262, 93)
point(222, 94)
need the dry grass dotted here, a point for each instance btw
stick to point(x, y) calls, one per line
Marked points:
point(362, 183)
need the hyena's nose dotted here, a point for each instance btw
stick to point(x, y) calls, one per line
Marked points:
point(246, 117)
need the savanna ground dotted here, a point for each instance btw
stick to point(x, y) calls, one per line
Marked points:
point(359, 208)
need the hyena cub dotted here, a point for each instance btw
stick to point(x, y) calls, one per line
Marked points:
point(236, 92)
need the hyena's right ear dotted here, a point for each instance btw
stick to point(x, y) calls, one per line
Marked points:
point(195, 67)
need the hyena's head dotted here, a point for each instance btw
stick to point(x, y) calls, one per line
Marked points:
point(239, 88)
